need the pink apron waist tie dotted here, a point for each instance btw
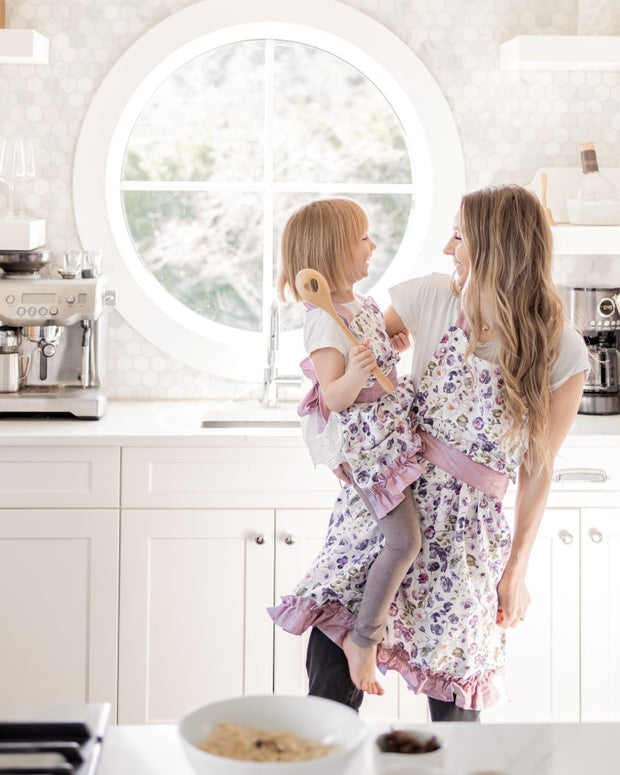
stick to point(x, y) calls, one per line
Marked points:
point(313, 400)
point(457, 463)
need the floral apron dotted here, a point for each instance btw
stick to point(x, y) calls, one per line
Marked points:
point(377, 436)
point(441, 634)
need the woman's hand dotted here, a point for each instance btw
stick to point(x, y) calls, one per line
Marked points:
point(513, 599)
point(400, 341)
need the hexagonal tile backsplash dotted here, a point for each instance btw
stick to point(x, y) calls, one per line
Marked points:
point(510, 123)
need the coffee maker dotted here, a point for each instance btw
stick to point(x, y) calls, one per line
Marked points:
point(52, 353)
point(596, 314)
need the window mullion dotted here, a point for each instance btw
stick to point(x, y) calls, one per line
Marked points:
point(268, 172)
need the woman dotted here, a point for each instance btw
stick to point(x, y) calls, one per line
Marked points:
point(499, 375)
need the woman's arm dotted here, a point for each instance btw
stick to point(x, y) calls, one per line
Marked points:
point(393, 322)
point(532, 492)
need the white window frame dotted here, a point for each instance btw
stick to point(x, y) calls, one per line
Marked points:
point(381, 56)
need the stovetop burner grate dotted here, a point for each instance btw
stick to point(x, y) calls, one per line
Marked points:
point(52, 747)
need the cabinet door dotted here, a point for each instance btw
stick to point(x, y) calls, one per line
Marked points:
point(193, 627)
point(600, 614)
point(299, 537)
point(542, 653)
point(59, 603)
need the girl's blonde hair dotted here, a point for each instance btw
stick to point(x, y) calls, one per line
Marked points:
point(510, 247)
point(319, 235)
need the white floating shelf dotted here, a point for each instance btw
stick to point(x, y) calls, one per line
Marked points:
point(561, 52)
point(23, 47)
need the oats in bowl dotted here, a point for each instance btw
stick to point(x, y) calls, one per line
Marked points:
point(258, 745)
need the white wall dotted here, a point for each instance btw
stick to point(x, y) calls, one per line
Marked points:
point(510, 123)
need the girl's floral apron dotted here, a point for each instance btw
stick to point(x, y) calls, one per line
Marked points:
point(377, 437)
point(441, 633)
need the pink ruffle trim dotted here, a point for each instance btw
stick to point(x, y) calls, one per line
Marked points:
point(297, 614)
point(476, 692)
point(387, 492)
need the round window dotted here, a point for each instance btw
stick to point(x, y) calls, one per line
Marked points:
point(212, 139)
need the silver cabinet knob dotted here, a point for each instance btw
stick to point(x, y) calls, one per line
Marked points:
point(260, 539)
point(290, 540)
point(595, 535)
point(566, 537)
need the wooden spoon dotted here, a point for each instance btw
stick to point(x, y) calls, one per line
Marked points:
point(543, 198)
point(313, 288)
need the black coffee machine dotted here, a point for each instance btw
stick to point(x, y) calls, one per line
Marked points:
point(596, 314)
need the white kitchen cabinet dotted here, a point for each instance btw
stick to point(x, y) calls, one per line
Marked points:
point(562, 661)
point(542, 653)
point(600, 614)
point(59, 603)
point(195, 584)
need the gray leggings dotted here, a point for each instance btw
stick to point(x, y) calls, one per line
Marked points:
point(401, 530)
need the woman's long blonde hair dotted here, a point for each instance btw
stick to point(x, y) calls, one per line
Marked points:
point(510, 246)
point(319, 235)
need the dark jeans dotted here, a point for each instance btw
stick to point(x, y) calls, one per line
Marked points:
point(328, 674)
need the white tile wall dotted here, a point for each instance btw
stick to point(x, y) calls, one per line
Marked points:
point(510, 123)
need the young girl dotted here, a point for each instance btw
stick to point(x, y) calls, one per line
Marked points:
point(377, 445)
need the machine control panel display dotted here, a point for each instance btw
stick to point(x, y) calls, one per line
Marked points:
point(33, 302)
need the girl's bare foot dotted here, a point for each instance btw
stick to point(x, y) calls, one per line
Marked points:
point(362, 666)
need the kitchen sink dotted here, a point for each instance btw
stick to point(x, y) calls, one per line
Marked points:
point(249, 414)
point(268, 422)
point(231, 415)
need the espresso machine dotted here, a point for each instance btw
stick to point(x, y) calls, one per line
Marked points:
point(52, 343)
point(596, 314)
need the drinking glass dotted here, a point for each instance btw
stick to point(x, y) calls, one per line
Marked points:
point(91, 263)
point(71, 264)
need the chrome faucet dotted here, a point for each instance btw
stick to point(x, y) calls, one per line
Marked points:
point(271, 378)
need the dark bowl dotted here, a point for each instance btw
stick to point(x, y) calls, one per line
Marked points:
point(12, 261)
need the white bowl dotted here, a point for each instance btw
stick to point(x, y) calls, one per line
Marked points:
point(312, 718)
point(392, 763)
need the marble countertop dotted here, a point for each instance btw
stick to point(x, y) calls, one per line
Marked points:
point(128, 423)
point(471, 749)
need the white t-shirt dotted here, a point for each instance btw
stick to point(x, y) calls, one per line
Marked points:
point(428, 308)
point(321, 330)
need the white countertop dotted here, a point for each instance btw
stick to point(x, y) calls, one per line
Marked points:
point(140, 423)
point(146, 423)
point(495, 749)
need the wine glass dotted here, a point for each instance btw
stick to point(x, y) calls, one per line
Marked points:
point(4, 170)
point(24, 168)
point(14, 168)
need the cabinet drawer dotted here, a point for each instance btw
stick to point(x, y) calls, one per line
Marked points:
point(588, 474)
point(194, 477)
point(66, 477)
